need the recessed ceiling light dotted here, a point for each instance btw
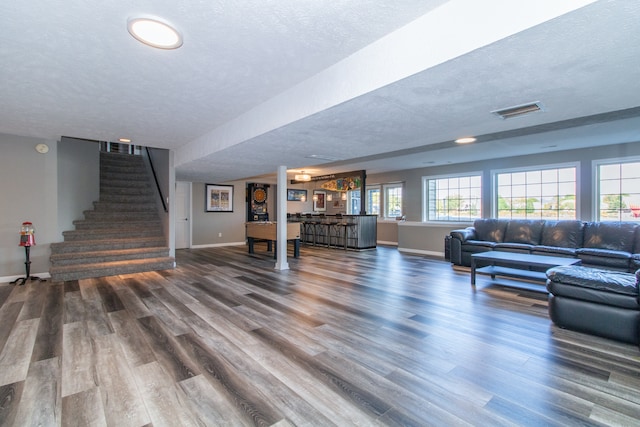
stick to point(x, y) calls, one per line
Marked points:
point(465, 140)
point(322, 157)
point(124, 140)
point(154, 33)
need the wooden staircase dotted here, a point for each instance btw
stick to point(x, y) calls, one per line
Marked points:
point(122, 234)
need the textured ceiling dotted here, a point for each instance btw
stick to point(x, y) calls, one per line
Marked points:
point(258, 84)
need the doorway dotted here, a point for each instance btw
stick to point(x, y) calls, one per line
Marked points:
point(183, 215)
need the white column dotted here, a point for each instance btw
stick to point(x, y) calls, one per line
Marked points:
point(281, 218)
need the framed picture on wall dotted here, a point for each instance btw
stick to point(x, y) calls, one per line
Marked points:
point(319, 201)
point(295, 195)
point(218, 198)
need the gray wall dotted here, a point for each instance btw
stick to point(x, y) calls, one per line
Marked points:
point(387, 232)
point(78, 180)
point(29, 192)
point(427, 238)
point(207, 225)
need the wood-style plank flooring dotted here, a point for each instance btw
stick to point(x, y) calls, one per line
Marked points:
point(342, 338)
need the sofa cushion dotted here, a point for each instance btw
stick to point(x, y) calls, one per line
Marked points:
point(477, 246)
point(490, 230)
point(513, 247)
point(618, 260)
point(554, 251)
point(595, 278)
point(636, 241)
point(615, 236)
point(592, 284)
point(464, 234)
point(524, 231)
point(564, 234)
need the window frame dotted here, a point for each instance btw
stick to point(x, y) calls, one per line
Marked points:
point(595, 173)
point(533, 168)
point(425, 196)
point(366, 190)
point(384, 199)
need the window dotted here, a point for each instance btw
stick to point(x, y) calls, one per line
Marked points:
point(353, 202)
point(456, 198)
point(537, 194)
point(619, 191)
point(392, 200)
point(373, 200)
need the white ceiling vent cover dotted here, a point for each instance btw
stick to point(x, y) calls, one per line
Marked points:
point(518, 110)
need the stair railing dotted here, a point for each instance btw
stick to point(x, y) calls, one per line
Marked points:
point(155, 177)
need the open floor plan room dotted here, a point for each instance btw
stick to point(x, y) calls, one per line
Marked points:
point(375, 337)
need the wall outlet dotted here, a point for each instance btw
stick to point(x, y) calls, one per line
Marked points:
point(219, 234)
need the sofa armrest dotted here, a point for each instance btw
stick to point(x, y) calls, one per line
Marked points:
point(464, 234)
point(457, 238)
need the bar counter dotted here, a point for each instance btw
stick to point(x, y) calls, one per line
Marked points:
point(346, 231)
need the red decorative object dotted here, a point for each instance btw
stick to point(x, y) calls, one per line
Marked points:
point(27, 239)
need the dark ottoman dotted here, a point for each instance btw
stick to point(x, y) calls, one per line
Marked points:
point(595, 301)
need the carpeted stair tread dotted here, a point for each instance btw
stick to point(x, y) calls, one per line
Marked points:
point(122, 207)
point(92, 257)
point(131, 177)
point(88, 224)
point(127, 198)
point(120, 216)
point(123, 190)
point(123, 182)
point(107, 158)
point(110, 233)
point(106, 244)
point(83, 271)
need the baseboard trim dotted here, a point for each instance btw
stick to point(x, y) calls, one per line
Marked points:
point(218, 245)
point(385, 243)
point(421, 252)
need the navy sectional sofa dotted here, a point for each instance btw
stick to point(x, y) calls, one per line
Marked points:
point(600, 296)
point(610, 245)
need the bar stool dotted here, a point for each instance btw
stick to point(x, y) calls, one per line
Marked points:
point(309, 227)
point(298, 218)
point(351, 233)
point(334, 229)
point(321, 231)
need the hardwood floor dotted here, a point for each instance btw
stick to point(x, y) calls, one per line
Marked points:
point(342, 338)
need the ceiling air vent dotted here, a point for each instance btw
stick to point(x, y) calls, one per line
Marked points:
point(518, 110)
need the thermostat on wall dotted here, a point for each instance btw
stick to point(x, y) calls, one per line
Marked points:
point(42, 148)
